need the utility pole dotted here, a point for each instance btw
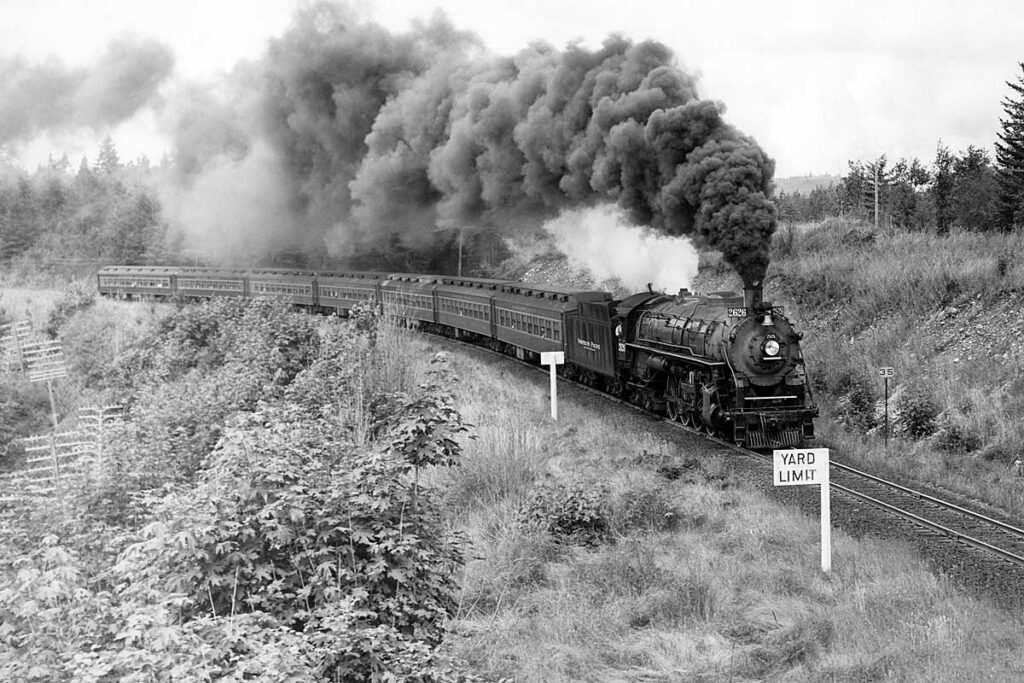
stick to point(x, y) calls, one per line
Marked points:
point(462, 237)
point(876, 197)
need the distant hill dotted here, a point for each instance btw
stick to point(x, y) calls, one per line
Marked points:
point(805, 183)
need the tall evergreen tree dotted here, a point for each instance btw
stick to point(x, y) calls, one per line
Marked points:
point(20, 226)
point(1010, 157)
point(942, 187)
point(108, 160)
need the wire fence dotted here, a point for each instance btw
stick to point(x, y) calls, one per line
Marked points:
point(59, 457)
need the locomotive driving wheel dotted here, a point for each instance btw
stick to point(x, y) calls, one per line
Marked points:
point(672, 411)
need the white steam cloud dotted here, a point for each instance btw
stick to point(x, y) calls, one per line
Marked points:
point(601, 240)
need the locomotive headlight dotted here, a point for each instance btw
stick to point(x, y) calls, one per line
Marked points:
point(771, 348)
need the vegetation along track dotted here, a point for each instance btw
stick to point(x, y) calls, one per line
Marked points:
point(983, 554)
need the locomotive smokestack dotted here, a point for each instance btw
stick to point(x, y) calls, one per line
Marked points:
point(753, 297)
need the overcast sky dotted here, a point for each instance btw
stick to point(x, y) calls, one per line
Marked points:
point(816, 82)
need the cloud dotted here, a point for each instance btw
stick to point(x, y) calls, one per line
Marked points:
point(51, 96)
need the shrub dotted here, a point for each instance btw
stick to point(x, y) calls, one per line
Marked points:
point(855, 401)
point(952, 437)
point(76, 298)
point(648, 509)
point(575, 513)
point(916, 411)
point(784, 242)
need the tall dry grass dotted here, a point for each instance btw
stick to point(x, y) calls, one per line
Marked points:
point(694, 577)
point(863, 299)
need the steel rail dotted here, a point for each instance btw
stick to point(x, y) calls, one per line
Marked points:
point(932, 499)
point(934, 526)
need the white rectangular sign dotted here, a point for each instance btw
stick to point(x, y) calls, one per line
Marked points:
point(809, 466)
point(552, 357)
point(800, 466)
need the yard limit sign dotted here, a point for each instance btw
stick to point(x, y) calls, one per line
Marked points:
point(794, 467)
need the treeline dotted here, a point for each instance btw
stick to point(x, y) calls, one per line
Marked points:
point(957, 190)
point(966, 189)
point(105, 211)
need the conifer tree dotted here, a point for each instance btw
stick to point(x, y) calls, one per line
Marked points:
point(1010, 157)
point(108, 160)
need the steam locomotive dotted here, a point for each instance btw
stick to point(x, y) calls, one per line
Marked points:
point(730, 365)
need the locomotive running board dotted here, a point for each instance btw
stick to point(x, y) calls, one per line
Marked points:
point(677, 356)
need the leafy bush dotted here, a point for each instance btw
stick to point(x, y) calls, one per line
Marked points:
point(296, 555)
point(649, 509)
point(917, 411)
point(76, 298)
point(952, 437)
point(201, 363)
point(855, 400)
point(575, 512)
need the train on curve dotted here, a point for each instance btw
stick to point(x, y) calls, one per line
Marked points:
point(725, 363)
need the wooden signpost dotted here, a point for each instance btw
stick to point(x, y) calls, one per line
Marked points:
point(886, 374)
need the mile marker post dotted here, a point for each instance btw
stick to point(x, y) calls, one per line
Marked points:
point(798, 466)
point(553, 359)
point(885, 374)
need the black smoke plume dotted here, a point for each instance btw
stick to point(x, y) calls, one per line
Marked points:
point(379, 134)
point(36, 98)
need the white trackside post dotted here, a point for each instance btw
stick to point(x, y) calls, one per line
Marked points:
point(826, 518)
point(553, 359)
point(554, 393)
point(809, 466)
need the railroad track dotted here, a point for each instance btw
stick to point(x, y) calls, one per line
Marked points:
point(943, 520)
point(954, 522)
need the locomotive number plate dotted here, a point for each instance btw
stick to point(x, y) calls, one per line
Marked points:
point(742, 312)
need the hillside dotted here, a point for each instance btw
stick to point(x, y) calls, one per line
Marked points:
point(303, 498)
point(943, 311)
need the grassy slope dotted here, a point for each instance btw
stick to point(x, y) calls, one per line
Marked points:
point(696, 579)
point(944, 312)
